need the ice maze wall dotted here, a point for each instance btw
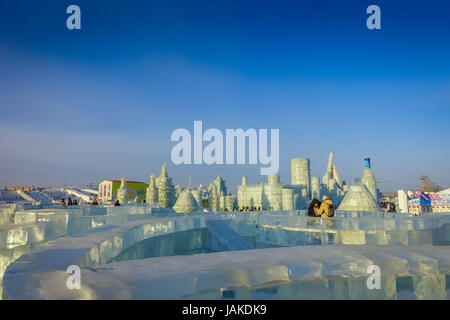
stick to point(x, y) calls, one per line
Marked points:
point(125, 253)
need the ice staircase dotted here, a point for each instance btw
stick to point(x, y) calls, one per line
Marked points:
point(79, 194)
point(26, 196)
point(38, 196)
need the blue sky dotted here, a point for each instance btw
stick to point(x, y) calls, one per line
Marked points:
point(80, 106)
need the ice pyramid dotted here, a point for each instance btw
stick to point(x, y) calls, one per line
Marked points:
point(358, 198)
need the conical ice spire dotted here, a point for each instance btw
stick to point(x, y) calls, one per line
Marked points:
point(368, 179)
point(122, 192)
point(152, 190)
point(185, 202)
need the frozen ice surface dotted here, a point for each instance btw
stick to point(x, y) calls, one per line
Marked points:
point(298, 256)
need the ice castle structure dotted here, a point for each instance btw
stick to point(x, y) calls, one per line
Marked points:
point(218, 198)
point(332, 184)
point(161, 189)
point(276, 195)
point(272, 195)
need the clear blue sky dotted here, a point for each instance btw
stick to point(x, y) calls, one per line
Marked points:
point(102, 102)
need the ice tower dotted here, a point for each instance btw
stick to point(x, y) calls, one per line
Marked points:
point(217, 191)
point(152, 190)
point(315, 188)
point(337, 176)
point(301, 174)
point(329, 174)
point(166, 190)
point(122, 192)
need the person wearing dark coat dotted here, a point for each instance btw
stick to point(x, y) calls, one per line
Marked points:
point(314, 204)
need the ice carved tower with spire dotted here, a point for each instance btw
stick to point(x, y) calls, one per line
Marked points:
point(368, 179)
point(122, 192)
point(329, 174)
point(152, 190)
point(166, 189)
point(217, 191)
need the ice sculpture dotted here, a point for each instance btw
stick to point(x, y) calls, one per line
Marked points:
point(329, 173)
point(368, 179)
point(166, 189)
point(185, 202)
point(152, 190)
point(315, 188)
point(217, 191)
point(358, 198)
point(122, 192)
point(301, 173)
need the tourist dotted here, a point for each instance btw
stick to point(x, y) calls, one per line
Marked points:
point(69, 203)
point(314, 205)
point(75, 202)
point(95, 203)
point(117, 203)
point(63, 202)
point(391, 207)
point(326, 208)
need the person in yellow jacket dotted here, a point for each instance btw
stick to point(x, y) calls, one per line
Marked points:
point(326, 208)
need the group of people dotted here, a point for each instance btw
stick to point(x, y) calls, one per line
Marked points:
point(70, 202)
point(246, 208)
point(324, 209)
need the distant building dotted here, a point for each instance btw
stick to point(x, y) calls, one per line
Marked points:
point(107, 190)
point(427, 185)
point(418, 202)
